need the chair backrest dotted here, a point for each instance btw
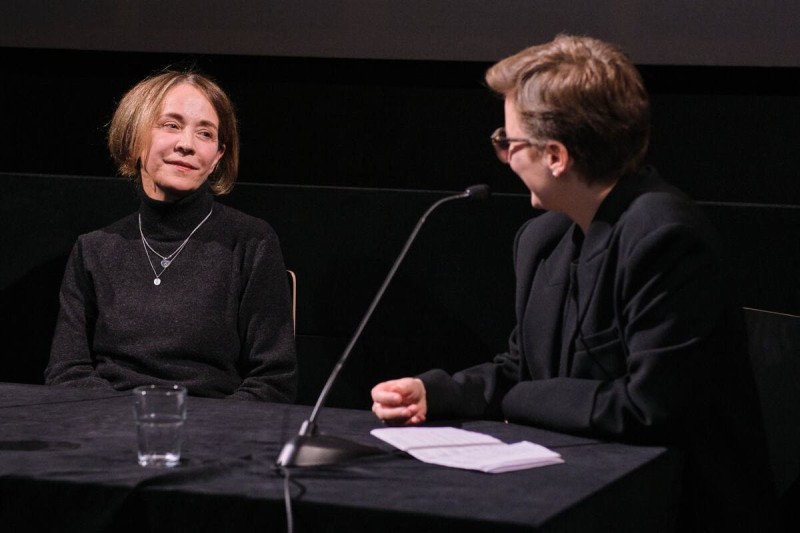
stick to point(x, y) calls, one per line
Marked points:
point(774, 346)
point(292, 278)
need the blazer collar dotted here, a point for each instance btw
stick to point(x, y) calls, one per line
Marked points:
point(612, 208)
point(601, 230)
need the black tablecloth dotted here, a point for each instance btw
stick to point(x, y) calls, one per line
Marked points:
point(68, 463)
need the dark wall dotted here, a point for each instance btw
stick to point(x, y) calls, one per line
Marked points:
point(450, 304)
point(342, 156)
point(719, 133)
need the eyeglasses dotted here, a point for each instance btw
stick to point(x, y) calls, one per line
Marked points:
point(502, 143)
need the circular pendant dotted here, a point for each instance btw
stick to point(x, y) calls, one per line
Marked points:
point(165, 263)
point(156, 282)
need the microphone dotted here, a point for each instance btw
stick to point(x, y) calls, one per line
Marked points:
point(309, 447)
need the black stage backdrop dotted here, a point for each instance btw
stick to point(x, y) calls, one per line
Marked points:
point(720, 133)
point(359, 114)
point(450, 304)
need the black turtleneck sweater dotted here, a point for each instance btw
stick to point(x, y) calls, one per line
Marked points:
point(219, 322)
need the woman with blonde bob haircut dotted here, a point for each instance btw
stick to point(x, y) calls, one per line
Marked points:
point(129, 130)
point(627, 325)
point(185, 290)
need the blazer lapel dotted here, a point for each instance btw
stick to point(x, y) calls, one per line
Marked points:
point(596, 245)
point(544, 309)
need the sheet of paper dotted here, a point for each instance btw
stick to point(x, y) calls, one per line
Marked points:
point(459, 448)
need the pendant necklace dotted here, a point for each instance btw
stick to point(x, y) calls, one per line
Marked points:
point(166, 260)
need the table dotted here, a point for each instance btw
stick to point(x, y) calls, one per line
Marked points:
point(68, 463)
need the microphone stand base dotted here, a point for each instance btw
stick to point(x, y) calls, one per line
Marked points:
point(316, 450)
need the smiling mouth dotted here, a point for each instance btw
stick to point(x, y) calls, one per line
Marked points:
point(184, 166)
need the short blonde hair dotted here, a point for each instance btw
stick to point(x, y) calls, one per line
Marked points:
point(129, 130)
point(584, 93)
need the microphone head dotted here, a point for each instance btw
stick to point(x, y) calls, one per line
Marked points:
point(477, 192)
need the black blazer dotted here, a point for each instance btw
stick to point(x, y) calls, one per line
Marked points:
point(651, 349)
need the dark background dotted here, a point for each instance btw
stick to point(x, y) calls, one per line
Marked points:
point(722, 133)
point(355, 116)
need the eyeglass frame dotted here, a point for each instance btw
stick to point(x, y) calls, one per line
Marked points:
point(502, 143)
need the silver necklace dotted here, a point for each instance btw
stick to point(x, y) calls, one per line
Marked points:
point(166, 260)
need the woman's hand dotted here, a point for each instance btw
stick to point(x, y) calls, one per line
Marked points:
point(400, 401)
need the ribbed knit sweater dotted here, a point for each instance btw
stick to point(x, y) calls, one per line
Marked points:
point(219, 322)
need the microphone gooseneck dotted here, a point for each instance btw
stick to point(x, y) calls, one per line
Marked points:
point(308, 447)
point(477, 192)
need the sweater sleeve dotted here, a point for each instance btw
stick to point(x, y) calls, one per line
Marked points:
point(71, 361)
point(268, 361)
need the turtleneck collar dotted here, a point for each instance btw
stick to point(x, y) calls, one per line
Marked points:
point(174, 220)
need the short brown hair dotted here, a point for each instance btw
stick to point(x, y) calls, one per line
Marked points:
point(129, 130)
point(584, 93)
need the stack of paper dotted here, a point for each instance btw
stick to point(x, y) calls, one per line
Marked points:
point(459, 448)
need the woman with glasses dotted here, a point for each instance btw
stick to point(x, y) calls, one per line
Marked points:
point(626, 328)
point(185, 290)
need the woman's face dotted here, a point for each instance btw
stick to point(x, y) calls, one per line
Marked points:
point(525, 160)
point(184, 146)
